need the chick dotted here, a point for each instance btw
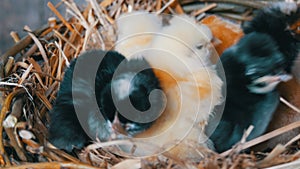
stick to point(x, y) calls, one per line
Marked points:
point(180, 54)
point(253, 68)
point(282, 22)
point(85, 107)
point(226, 33)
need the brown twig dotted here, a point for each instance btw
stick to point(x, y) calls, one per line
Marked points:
point(53, 165)
point(16, 113)
point(23, 43)
point(30, 52)
point(55, 11)
point(4, 110)
point(15, 36)
point(9, 65)
point(12, 137)
point(158, 5)
point(106, 3)
point(178, 8)
point(251, 4)
point(45, 74)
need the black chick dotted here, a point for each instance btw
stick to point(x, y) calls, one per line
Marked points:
point(96, 82)
point(253, 68)
point(281, 22)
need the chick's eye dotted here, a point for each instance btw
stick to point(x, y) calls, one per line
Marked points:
point(199, 46)
point(262, 84)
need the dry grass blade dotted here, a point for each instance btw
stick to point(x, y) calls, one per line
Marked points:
point(292, 140)
point(63, 38)
point(44, 100)
point(284, 101)
point(22, 65)
point(292, 165)
point(165, 7)
point(25, 74)
point(63, 154)
point(207, 8)
point(274, 153)
point(267, 136)
point(235, 17)
point(35, 65)
point(39, 45)
point(130, 163)
point(98, 12)
point(55, 11)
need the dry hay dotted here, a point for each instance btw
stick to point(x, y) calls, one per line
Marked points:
point(32, 69)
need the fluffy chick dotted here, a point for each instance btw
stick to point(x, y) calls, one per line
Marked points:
point(253, 68)
point(85, 105)
point(282, 22)
point(226, 33)
point(180, 56)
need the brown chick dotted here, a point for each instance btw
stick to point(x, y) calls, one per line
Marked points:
point(226, 32)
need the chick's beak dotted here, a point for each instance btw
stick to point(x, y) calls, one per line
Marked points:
point(117, 126)
point(285, 77)
point(274, 78)
point(268, 83)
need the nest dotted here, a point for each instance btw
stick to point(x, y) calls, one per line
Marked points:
point(32, 69)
